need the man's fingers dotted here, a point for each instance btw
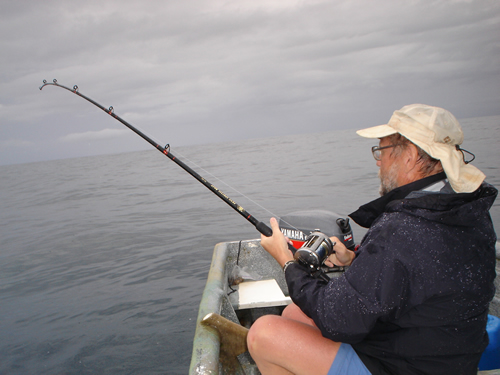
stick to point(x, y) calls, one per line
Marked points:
point(274, 225)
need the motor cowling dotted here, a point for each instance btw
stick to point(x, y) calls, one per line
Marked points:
point(297, 226)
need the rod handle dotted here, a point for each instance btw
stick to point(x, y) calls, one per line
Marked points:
point(264, 229)
point(268, 232)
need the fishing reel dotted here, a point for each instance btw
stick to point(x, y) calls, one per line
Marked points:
point(315, 250)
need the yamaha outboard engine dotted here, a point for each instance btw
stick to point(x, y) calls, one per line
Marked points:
point(297, 226)
point(310, 231)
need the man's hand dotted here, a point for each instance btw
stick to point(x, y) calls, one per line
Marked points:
point(277, 244)
point(342, 256)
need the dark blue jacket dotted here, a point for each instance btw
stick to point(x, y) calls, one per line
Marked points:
point(415, 299)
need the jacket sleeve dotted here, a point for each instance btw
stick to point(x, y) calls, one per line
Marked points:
point(347, 307)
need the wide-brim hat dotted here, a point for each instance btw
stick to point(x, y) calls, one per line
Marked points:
point(437, 132)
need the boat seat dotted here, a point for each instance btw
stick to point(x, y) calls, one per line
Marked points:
point(261, 293)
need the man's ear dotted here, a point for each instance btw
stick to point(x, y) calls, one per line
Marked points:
point(410, 157)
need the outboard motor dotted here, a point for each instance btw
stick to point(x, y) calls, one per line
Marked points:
point(297, 226)
point(310, 231)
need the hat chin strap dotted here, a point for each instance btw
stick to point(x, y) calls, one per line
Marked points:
point(463, 155)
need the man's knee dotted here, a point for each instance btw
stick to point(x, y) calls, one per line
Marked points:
point(289, 311)
point(261, 332)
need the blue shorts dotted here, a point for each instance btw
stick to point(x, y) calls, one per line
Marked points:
point(347, 362)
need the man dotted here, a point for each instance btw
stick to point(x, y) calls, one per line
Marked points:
point(415, 297)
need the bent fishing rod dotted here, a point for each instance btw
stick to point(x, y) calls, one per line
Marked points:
point(259, 225)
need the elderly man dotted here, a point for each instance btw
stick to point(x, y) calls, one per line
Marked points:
point(415, 297)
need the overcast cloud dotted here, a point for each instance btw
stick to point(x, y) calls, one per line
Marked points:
point(193, 71)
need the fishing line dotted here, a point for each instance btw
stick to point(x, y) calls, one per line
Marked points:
point(236, 190)
point(259, 225)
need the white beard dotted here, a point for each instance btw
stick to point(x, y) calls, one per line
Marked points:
point(388, 181)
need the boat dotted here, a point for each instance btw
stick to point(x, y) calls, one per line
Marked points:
point(244, 283)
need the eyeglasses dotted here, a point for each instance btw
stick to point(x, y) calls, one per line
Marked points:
point(377, 153)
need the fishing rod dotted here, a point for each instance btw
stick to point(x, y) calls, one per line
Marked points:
point(259, 225)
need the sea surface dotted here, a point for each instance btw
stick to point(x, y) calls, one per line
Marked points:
point(103, 260)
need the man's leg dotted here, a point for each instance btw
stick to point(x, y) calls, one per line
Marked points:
point(292, 311)
point(282, 346)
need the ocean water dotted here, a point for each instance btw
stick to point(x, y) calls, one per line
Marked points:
point(103, 260)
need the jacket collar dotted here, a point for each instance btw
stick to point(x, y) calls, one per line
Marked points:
point(367, 213)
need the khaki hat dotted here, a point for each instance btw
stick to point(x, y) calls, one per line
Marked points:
point(437, 132)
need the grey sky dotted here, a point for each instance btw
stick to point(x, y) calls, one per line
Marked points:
point(193, 71)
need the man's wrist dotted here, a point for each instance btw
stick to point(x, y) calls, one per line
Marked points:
point(285, 266)
point(353, 256)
